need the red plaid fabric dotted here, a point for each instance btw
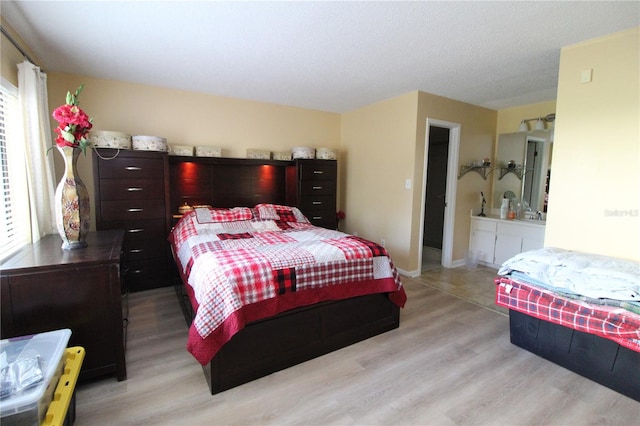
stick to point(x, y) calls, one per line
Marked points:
point(248, 272)
point(325, 274)
point(376, 249)
point(269, 238)
point(617, 324)
point(353, 248)
point(216, 215)
point(285, 280)
point(239, 236)
point(286, 214)
point(234, 266)
point(185, 230)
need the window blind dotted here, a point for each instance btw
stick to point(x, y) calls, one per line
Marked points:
point(14, 217)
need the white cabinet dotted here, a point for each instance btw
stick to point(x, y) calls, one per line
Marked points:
point(498, 240)
point(483, 239)
point(515, 237)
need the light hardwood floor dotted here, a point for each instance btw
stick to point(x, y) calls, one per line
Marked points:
point(449, 363)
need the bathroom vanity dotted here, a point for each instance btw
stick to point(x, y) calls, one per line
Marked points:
point(497, 240)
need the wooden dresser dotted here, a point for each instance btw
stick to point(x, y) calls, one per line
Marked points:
point(45, 288)
point(315, 190)
point(132, 193)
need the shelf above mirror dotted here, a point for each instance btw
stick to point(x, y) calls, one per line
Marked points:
point(481, 170)
point(506, 170)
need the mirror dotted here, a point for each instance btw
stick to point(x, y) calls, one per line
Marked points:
point(523, 166)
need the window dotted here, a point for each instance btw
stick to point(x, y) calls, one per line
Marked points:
point(15, 226)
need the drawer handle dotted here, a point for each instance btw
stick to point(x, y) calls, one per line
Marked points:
point(316, 188)
point(137, 271)
point(317, 218)
point(316, 203)
point(133, 168)
point(136, 250)
point(134, 189)
point(318, 172)
point(133, 231)
point(135, 210)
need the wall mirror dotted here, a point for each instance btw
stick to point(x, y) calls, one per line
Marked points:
point(523, 167)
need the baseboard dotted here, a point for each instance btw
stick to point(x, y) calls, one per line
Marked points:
point(458, 263)
point(411, 274)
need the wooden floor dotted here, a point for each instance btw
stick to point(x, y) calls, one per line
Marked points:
point(449, 363)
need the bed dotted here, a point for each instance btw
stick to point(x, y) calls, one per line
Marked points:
point(578, 310)
point(268, 290)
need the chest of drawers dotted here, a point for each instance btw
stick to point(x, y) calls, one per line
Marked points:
point(316, 191)
point(132, 193)
point(45, 288)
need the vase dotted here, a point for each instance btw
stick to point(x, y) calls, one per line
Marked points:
point(72, 208)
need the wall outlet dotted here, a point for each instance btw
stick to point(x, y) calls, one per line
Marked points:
point(382, 242)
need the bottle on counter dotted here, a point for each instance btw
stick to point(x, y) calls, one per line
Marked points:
point(504, 208)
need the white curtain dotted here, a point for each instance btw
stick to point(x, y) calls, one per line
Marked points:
point(34, 107)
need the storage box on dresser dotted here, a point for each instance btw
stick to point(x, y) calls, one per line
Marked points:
point(315, 192)
point(132, 193)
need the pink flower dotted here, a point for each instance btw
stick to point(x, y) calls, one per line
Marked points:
point(74, 123)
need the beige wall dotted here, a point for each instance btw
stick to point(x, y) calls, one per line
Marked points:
point(384, 144)
point(509, 118)
point(596, 157)
point(10, 55)
point(191, 119)
point(378, 143)
point(477, 140)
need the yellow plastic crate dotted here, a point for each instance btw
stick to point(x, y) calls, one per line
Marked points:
point(59, 405)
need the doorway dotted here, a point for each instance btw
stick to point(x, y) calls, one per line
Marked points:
point(439, 193)
point(435, 201)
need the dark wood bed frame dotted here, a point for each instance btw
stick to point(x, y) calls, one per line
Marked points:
point(266, 346)
point(594, 357)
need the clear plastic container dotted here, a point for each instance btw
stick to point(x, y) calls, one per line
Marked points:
point(473, 257)
point(28, 406)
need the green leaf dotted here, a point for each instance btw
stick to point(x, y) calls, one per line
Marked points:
point(68, 136)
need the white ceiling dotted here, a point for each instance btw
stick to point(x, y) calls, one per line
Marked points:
point(329, 56)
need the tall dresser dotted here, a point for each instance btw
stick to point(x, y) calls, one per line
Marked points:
point(315, 190)
point(132, 193)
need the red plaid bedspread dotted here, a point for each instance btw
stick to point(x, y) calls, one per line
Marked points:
point(243, 271)
point(614, 323)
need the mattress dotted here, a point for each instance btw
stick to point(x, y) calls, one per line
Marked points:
point(611, 322)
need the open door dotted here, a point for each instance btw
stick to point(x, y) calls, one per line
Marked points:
point(439, 189)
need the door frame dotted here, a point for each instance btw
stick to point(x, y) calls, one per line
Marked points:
point(450, 193)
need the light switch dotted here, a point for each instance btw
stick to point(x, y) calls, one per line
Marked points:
point(407, 184)
point(586, 75)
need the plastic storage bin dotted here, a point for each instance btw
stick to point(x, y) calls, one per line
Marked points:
point(473, 257)
point(28, 407)
point(62, 410)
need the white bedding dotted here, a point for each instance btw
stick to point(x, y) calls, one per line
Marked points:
point(587, 274)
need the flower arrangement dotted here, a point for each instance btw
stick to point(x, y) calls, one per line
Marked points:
point(74, 123)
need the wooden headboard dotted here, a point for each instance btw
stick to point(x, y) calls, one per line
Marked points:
point(228, 182)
